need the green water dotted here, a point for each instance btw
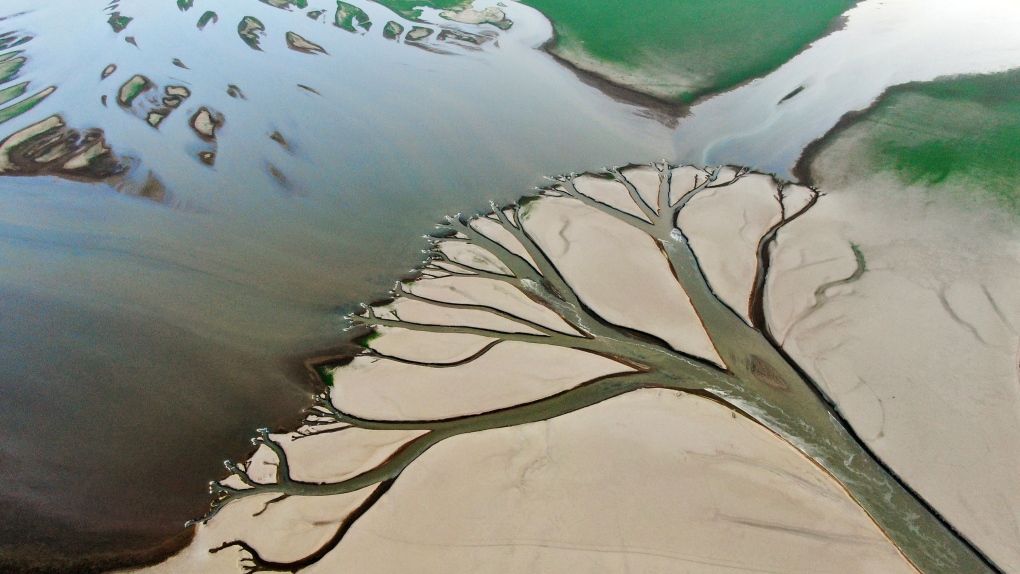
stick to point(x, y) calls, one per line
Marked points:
point(964, 130)
point(713, 45)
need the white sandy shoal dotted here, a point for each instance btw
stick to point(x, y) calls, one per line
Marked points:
point(619, 272)
point(608, 191)
point(489, 293)
point(920, 354)
point(424, 313)
point(724, 225)
point(331, 456)
point(646, 482)
point(473, 256)
point(496, 232)
point(508, 374)
point(426, 347)
point(645, 179)
point(684, 179)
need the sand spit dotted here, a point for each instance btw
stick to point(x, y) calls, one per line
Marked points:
point(473, 432)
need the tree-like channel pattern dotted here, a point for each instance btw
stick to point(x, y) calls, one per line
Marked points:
point(646, 277)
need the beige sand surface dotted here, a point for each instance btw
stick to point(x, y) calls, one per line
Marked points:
point(473, 256)
point(619, 272)
point(427, 314)
point(920, 354)
point(286, 530)
point(645, 179)
point(427, 347)
point(509, 374)
point(685, 178)
point(489, 293)
point(608, 191)
point(724, 225)
point(646, 482)
point(330, 456)
point(499, 234)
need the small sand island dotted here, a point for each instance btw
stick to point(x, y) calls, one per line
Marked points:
point(586, 378)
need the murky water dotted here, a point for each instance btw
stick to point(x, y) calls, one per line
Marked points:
point(142, 341)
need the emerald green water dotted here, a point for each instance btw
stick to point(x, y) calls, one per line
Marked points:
point(721, 43)
point(966, 128)
point(717, 45)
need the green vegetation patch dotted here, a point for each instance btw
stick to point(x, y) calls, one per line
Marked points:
point(681, 49)
point(250, 29)
point(348, 16)
point(9, 67)
point(132, 88)
point(13, 92)
point(118, 22)
point(392, 30)
point(204, 19)
point(326, 374)
point(11, 39)
point(965, 128)
point(23, 106)
point(676, 50)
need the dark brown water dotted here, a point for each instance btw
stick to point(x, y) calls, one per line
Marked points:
point(141, 341)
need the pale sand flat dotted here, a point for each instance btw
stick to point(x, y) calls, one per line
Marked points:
point(510, 373)
point(427, 314)
point(424, 347)
point(608, 191)
point(288, 530)
point(499, 234)
point(920, 354)
point(432, 272)
point(645, 178)
point(473, 256)
point(724, 226)
point(684, 179)
point(490, 293)
point(646, 482)
point(725, 175)
point(619, 272)
point(331, 456)
point(491, 14)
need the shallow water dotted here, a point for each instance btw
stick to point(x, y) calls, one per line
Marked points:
point(141, 340)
